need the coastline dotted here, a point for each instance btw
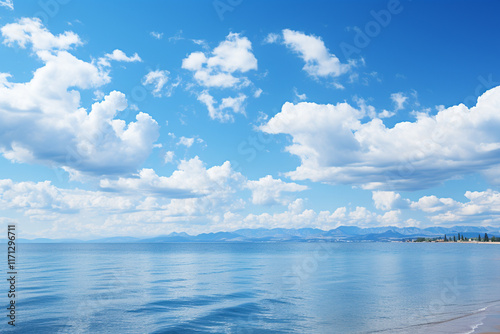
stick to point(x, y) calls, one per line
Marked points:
point(459, 242)
point(490, 324)
point(482, 321)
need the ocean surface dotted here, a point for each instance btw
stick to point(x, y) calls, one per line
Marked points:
point(255, 288)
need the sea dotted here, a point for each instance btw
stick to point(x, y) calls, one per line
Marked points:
point(255, 288)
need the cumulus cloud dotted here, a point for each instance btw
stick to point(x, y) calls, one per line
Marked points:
point(158, 79)
point(45, 196)
point(482, 208)
point(118, 55)
point(188, 142)
point(386, 114)
point(296, 216)
point(145, 204)
point(388, 200)
point(42, 121)
point(399, 100)
point(319, 61)
point(271, 38)
point(218, 68)
point(169, 157)
point(31, 31)
point(223, 68)
point(268, 191)
point(391, 218)
point(191, 179)
point(226, 108)
point(432, 204)
point(335, 146)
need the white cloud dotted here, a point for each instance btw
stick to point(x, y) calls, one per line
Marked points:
point(158, 79)
point(386, 114)
point(188, 142)
point(118, 55)
point(390, 218)
point(388, 200)
point(257, 93)
point(482, 208)
point(146, 204)
point(42, 121)
point(271, 38)
point(156, 35)
point(31, 30)
point(399, 100)
point(7, 3)
point(432, 203)
point(190, 180)
point(222, 112)
point(45, 196)
point(268, 191)
point(298, 217)
point(365, 108)
point(176, 37)
point(300, 97)
point(201, 43)
point(223, 68)
point(234, 55)
point(362, 216)
point(336, 147)
point(319, 61)
point(169, 157)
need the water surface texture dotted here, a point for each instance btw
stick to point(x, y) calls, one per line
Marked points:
point(256, 288)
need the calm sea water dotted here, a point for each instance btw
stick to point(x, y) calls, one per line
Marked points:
point(255, 288)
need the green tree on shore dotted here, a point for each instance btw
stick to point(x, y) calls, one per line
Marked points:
point(486, 239)
point(479, 237)
point(445, 238)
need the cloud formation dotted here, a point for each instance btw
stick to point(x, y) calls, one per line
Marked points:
point(7, 3)
point(158, 79)
point(31, 31)
point(191, 179)
point(388, 200)
point(42, 121)
point(220, 67)
point(399, 100)
point(224, 112)
point(319, 62)
point(118, 55)
point(268, 191)
point(481, 207)
point(335, 146)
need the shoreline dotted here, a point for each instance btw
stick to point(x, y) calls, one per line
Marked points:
point(455, 242)
point(490, 324)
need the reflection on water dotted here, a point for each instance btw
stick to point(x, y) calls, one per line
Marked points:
point(254, 288)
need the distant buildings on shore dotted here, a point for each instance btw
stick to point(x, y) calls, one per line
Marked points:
point(459, 238)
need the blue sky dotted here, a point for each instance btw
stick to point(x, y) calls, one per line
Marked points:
point(146, 118)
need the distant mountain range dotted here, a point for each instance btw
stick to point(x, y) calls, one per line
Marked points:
point(340, 234)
